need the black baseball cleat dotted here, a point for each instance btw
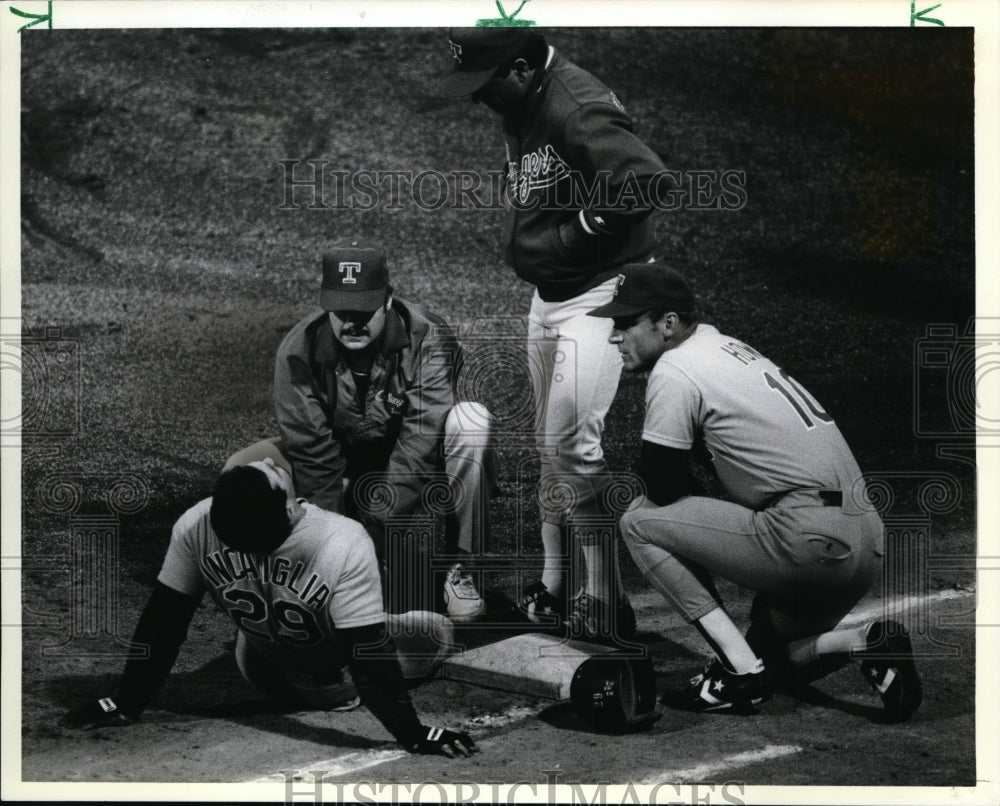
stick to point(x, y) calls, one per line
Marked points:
point(346, 705)
point(887, 664)
point(539, 606)
point(769, 646)
point(773, 650)
point(718, 689)
point(593, 619)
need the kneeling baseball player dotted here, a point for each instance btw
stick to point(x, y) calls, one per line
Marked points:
point(302, 585)
point(799, 529)
point(365, 389)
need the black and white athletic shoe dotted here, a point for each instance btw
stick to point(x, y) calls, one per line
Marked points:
point(718, 689)
point(887, 664)
point(539, 606)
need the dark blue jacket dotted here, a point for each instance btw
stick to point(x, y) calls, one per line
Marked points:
point(574, 160)
point(328, 434)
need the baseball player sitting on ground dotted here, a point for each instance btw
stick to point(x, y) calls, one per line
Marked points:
point(577, 180)
point(302, 585)
point(365, 391)
point(799, 529)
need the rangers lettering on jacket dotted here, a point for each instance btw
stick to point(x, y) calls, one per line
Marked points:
point(222, 568)
point(540, 168)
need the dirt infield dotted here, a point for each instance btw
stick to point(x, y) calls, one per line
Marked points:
point(166, 249)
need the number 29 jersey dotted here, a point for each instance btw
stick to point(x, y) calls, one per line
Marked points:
point(288, 603)
point(765, 433)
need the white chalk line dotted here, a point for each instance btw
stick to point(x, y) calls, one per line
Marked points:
point(354, 762)
point(892, 607)
point(681, 633)
point(703, 772)
point(342, 765)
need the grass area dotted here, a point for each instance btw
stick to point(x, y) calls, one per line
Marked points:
point(157, 234)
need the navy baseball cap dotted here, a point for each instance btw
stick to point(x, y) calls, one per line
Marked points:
point(647, 287)
point(355, 277)
point(478, 52)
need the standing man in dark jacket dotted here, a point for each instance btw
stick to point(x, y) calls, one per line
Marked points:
point(578, 180)
point(365, 397)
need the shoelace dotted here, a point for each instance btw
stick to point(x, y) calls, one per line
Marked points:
point(462, 581)
point(699, 678)
point(583, 615)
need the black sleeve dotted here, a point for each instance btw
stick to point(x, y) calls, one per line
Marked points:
point(600, 139)
point(665, 472)
point(162, 627)
point(379, 680)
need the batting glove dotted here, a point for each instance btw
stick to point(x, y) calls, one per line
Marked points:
point(442, 742)
point(102, 713)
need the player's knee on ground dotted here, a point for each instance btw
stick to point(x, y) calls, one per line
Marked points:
point(290, 689)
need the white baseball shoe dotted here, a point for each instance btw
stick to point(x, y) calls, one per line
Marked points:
point(461, 598)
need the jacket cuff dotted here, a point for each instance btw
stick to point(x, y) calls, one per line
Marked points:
point(592, 223)
point(597, 222)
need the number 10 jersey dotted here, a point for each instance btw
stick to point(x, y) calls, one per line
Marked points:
point(765, 434)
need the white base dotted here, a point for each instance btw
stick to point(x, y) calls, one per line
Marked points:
point(534, 664)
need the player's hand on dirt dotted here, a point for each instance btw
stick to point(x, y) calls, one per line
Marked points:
point(443, 742)
point(102, 713)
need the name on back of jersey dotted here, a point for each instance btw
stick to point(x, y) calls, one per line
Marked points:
point(741, 352)
point(222, 568)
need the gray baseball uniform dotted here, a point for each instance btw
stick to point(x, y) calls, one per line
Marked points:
point(799, 528)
